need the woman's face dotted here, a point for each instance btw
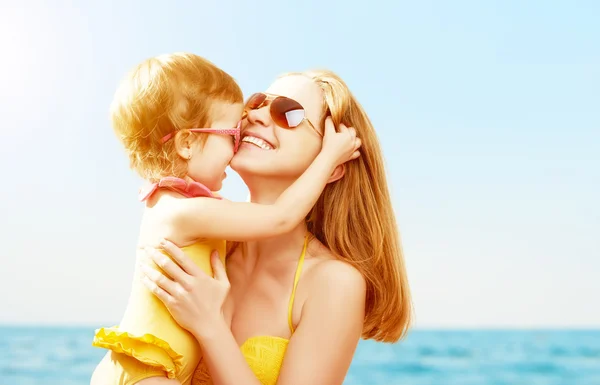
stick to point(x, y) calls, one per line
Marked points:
point(288, 151)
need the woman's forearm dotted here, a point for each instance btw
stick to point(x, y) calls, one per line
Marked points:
point(223, 357)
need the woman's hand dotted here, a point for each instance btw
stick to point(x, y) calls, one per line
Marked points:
point(194, 299)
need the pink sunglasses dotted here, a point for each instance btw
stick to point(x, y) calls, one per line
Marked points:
point(235, 132)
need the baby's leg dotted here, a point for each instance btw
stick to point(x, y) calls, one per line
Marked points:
point(121, 369)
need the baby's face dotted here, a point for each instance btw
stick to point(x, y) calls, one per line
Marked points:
point(209, 162)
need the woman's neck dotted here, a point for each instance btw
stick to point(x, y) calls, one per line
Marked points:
point(266, 190)
point(284, 246)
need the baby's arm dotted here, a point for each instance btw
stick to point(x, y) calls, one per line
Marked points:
point(241, 221)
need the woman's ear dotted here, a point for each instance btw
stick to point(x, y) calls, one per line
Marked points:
point(337, 173)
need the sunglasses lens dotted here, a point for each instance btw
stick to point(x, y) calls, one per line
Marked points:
point(256, 100)
point(286, 112)
point(294, 118)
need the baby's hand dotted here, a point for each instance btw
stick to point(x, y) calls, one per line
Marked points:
point(342, 146)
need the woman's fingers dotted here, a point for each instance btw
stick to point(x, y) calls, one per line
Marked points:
point(157, 283)
point(218, 268)
point(167, 265)
point(181, 258)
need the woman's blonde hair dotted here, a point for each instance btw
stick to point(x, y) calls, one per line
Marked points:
point(162, 95)
point(354, 217)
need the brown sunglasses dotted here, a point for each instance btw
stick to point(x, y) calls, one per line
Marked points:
point(285, 112)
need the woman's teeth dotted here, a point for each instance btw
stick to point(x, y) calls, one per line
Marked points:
point(257, 142)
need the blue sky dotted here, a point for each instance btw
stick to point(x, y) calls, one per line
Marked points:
point(488, 112)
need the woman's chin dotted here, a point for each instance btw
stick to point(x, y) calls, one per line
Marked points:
point(242, 164)
point(248, 166)
point(251, 161)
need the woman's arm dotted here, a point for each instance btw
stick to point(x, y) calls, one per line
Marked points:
point(319, 352)
point(321, 349)
point(223, 356)
point(240, 221)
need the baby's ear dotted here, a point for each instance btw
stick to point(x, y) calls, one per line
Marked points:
point(338, 173)
point(184, 141)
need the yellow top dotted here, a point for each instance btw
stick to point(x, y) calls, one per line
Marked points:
point(149, 334)
point(264, 354)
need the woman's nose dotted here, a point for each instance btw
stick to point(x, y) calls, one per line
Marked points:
point(259, 116)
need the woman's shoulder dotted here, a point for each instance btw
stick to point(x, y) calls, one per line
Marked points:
point(331, 286)
point(326, 268)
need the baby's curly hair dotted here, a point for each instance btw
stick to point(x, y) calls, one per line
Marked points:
point(162, 95)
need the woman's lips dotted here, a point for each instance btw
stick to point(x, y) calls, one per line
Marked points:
point(256, 141)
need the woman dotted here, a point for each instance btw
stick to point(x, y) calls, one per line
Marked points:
point(291, 309)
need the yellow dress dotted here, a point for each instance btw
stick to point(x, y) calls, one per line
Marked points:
point(149, 334)
point(264, 354)
point(148, 342)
